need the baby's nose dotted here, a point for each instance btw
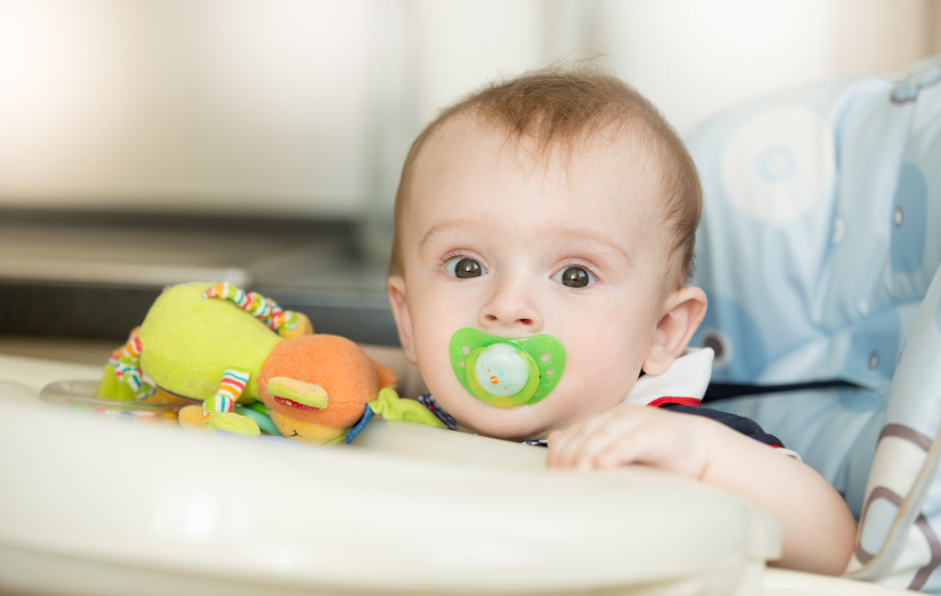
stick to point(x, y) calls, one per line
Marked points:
point(491, 318)
point(511, 307)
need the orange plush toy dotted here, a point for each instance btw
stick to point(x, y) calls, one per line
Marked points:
point(328, 371)
point(228, 349)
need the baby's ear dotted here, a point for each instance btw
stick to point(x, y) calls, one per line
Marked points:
point(683, 311)
point(403, 321)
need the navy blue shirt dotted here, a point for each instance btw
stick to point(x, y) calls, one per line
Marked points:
point(746, 426)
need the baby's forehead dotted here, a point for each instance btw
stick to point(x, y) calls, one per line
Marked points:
point(615, 142)
point(587, 177)
point(575, 160)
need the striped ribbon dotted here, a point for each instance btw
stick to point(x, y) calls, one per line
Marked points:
point(264, 309)
point(232, 385)
point(126, 363)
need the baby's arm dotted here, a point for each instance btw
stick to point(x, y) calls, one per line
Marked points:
point(818, 530)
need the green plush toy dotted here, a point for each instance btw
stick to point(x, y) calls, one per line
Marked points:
point(229, 349)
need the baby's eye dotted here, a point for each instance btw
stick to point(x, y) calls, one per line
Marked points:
point(464, 268)
point(574, 277)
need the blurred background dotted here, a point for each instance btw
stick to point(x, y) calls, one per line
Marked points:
point(144, 142)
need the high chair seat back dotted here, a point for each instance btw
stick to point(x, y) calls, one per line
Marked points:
point(820, 238)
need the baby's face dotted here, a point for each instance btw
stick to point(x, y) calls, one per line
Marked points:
point(506, 242)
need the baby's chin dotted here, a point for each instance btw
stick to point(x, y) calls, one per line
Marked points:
point(520, 423)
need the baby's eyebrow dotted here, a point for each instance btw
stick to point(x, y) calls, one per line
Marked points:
point(440, 228)
point(578, 234)
point(595, 237)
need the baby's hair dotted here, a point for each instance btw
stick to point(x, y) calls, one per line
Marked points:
point(565, 107)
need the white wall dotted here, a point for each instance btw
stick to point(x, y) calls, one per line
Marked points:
point(307, 106)
point(212, 105)
point(693, 58)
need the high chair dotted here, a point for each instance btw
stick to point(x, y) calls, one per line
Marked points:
point(817, 250)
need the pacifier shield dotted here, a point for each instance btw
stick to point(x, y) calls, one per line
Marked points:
point(506, 372)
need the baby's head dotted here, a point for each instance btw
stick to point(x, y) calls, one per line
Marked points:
point(556, 206)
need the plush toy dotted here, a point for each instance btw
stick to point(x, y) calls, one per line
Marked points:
point(228, 349)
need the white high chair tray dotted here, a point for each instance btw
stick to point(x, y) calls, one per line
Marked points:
point(94, 505)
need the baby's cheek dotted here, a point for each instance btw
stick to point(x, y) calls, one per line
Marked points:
point(599, 379)
point(435, 367)
point(434, 370)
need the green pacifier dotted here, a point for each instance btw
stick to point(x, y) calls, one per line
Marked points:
point(506, 372)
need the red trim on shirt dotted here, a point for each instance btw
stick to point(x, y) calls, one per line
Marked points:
point(677, 401)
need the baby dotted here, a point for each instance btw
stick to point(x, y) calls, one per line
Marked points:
point(544, 241)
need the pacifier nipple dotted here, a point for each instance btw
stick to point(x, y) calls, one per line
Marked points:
point(506, 372)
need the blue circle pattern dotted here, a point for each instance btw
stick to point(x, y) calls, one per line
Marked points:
point(775, 164)
point(909, 220)
point(873, 350)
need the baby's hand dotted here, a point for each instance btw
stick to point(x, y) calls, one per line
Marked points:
point(817, 528)
point(634, 434)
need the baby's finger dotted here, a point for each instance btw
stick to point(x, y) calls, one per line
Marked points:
point(565, 445)
point(626, 449)
point(561, 446)
point(617, 429)
point(654, 447)
point(577, 448)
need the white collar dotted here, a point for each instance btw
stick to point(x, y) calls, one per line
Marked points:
point(687, 378)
